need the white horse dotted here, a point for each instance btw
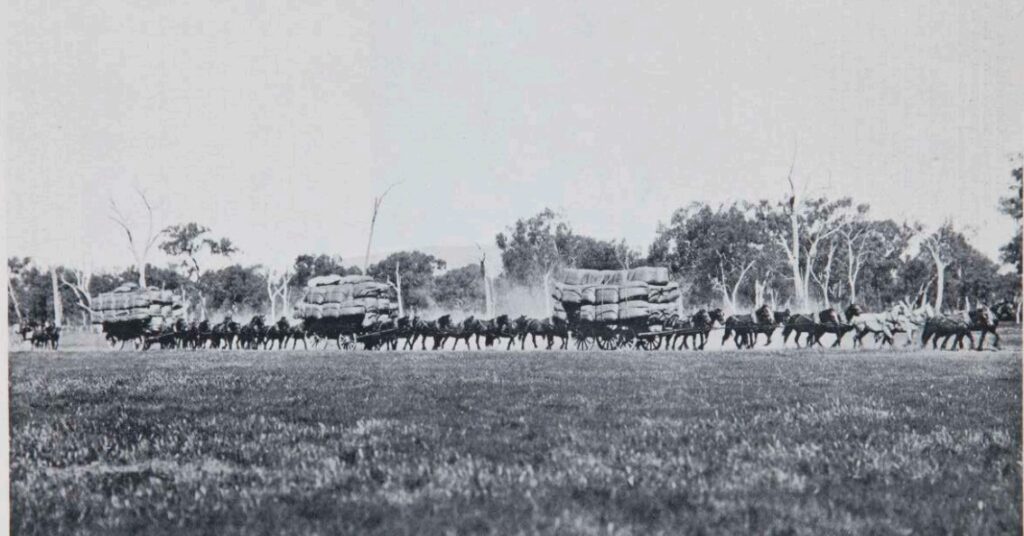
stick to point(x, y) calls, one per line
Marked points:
point(883, 324)
point(913, 320)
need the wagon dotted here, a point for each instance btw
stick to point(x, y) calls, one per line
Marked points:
point(605, 334)
point(343, 308)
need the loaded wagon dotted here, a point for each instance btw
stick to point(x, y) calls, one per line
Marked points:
point(345, 308)
point(614, 308)
point(129, 313)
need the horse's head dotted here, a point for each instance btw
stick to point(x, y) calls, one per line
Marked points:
point(853, 310)
point(829, 315)
point(706, 318)
point(445, 321)
point(983, 317)
point(763, 314)
point(716, 315)
point(781, 316)
point(501, 320)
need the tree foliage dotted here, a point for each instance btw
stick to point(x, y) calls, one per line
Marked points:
point(460, 289)
point(1012, 206)
point(533, 247)
point(417, 269)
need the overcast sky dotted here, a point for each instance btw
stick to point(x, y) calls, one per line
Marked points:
point(275, 123)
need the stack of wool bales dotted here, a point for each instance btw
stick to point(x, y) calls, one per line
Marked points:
point(614, 295)
point(354, 297)
point(130, 303)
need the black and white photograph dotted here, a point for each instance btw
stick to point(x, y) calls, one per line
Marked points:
point(282, 267)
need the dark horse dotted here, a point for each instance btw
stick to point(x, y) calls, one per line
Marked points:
point(224, 334)
point(986, 321)
point(946, 326)
point(744, 327)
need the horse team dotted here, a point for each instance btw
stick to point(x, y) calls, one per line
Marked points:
point(658, 331)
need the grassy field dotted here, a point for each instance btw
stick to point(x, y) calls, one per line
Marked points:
point(603, 443)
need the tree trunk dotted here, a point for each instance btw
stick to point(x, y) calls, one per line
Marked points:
point(273, 298)
point(826, 278)
point(58, 307)
point(488, 304)
point(548, 307)
point(398, 286)
point(14, 300)
point(800, 293)
point(940, 285)
point(286, 306)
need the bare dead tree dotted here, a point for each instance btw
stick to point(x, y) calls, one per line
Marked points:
point(58, 306)
point(373, 223)
point(398, 287)
point(488, 302)
point(939, 249)
point(139, 245)
point(792, 246)
point(277, 287)
point(730, 293)
point(824, 280)
point(80, 286)
point(14, 267)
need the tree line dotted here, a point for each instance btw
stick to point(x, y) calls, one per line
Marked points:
point(796, 253)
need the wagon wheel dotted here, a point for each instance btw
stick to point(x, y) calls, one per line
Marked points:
point(347, 342)
point(584, 343)
point(603, 343)
point(629, 338)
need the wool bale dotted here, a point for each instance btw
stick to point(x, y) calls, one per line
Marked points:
point(139, 313)
point(606, 312)
point(330, 310)
point(337, 294)
point(605, 295)
point(369, 289)
point(634, 309)
point(106, 302)
point(352, 310)
point(634, 290)
point(556, 291)
point(588, 294)
point(324, 280)
point(653, 275)
point(316, 295)
point(571, 294)
point(664, 294)
point(588, 313)
point(353, 279)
